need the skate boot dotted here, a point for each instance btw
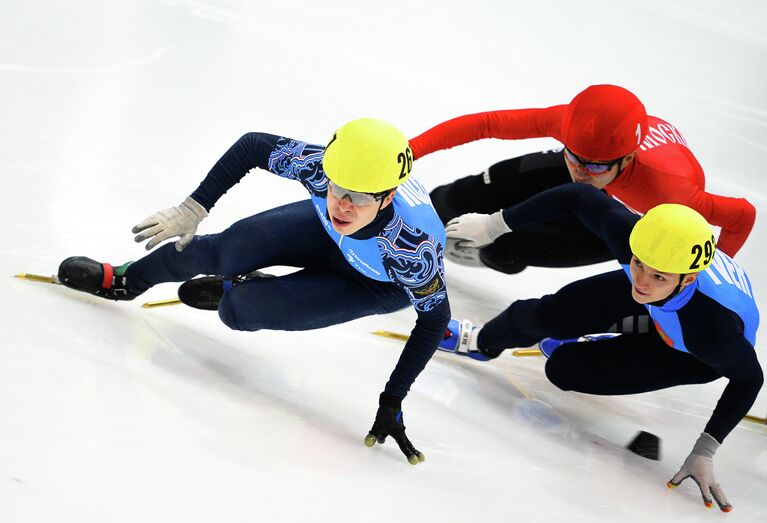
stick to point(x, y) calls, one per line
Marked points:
point(461, 339)
point(101, 279)
point(547, 346)
point(205, 293)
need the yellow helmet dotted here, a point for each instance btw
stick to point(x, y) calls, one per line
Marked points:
point(673, 238)
point(368, 155)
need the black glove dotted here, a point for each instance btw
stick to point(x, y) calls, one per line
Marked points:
point(389, 422)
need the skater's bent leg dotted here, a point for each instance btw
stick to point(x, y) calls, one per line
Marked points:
point(502, 185)
point(468, 194)
point(556, 243)
point(289, 235)
point(583, 307)
point(626, 364)
point(307, 300)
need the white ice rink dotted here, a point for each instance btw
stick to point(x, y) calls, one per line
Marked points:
point(110, 110)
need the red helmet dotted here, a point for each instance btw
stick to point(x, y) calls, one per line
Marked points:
point(604, 122)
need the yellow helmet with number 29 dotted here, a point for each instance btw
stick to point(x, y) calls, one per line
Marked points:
point(673, 238)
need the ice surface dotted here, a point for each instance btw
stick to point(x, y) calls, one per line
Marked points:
point(112, 110)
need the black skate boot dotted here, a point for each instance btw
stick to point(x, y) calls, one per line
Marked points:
point(205, 293)
point(102, 279)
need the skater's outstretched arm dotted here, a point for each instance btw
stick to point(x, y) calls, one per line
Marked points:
point(285, 157)
point(282, 156)
point(420, 347)
point(602, 215)
point(513, 124)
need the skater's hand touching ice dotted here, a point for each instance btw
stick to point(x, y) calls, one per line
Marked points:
point(179, 221)
point(699, 466)
point(477, 230)
point(390, 422)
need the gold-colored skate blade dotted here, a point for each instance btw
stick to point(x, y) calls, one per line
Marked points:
point(405, 337)
point(755, 419)
point(38, 278)
point(53, 279)
point(392, 335)
point(161, 303)
point(526, 352)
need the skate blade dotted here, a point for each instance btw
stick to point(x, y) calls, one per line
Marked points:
point(38, 278)
point(405, 337)
point(526, 352)
point(392, 335)
point(161, 303)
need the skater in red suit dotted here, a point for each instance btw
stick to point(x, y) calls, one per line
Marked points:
point(610, 143)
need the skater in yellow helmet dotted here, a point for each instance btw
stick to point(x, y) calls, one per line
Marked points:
point(366, 241)
point(683, 310)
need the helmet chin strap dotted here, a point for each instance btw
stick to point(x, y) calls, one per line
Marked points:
point(380, 205)
point(676, 291)
point(678, 287)
point(621, 167)
point(376, 225)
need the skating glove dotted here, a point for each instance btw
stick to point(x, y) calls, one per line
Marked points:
point(177, 221)
point(389, 422)
point(457, 252)
point(477, 230)
point(699, 466)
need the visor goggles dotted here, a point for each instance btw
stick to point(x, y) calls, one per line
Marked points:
point(592, 168)
point(357, 198)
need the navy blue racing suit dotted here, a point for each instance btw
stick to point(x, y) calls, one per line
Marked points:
point(705, 332)
point(394, 261)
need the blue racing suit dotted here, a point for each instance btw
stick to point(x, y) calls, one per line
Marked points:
point(705, 332)
point(395, 260)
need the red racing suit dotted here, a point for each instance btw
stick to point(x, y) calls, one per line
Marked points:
point(663, 171)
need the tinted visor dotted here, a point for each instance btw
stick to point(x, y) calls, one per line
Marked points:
point(590, 167)
point(357, 198)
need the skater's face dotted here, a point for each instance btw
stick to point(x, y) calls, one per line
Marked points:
point(348, 218)
point(580, 173)
point(649, 285)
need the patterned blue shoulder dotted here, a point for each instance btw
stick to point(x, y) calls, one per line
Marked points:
point(300, 161)
point(413, 259)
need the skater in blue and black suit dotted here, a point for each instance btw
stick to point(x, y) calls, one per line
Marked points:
point(367, 241)
point(697, 302)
